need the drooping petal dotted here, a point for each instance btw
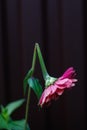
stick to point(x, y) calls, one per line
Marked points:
point(44, 95)
point(63, 83)
point(69, 73)
point(60, 91)
point(48, 94)
point(56, 89)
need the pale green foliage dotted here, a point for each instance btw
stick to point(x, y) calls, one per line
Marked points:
point(6, 121)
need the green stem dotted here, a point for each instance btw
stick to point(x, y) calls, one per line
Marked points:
point(30, 74)
point(27, 108)
point(29, 89)
point(42, 64)
point(31, 71)
point(34, 59)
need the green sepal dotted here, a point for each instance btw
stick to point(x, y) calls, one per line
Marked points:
point(36, 86)
point(49, 81)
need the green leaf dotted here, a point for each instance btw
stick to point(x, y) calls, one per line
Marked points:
point(13, 106)
point(12, 125)
point(25, 82)
point(3, 123)
point(35, 85)
point(1, 108)
point(17, 125)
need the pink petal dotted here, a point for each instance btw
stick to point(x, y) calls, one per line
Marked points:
point(53, 92)
point(48, 95)
point(60, 91)
point(64, 83)
point(69, 73)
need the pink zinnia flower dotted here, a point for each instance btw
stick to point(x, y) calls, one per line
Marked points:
point(53, 91)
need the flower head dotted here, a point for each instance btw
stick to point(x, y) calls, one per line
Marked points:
point(55, 89)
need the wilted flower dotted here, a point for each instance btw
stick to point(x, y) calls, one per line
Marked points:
point(55, 89)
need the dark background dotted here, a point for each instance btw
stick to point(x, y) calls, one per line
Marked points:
point(59, 26)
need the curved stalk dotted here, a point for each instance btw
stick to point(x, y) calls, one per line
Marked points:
point(29, 89)
point(30, 74)
point(42, 64)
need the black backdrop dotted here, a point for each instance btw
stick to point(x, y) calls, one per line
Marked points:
point(59, 26)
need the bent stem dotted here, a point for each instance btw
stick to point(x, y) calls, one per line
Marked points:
point(29, 89)
point(30, 74)
point(42, 64)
